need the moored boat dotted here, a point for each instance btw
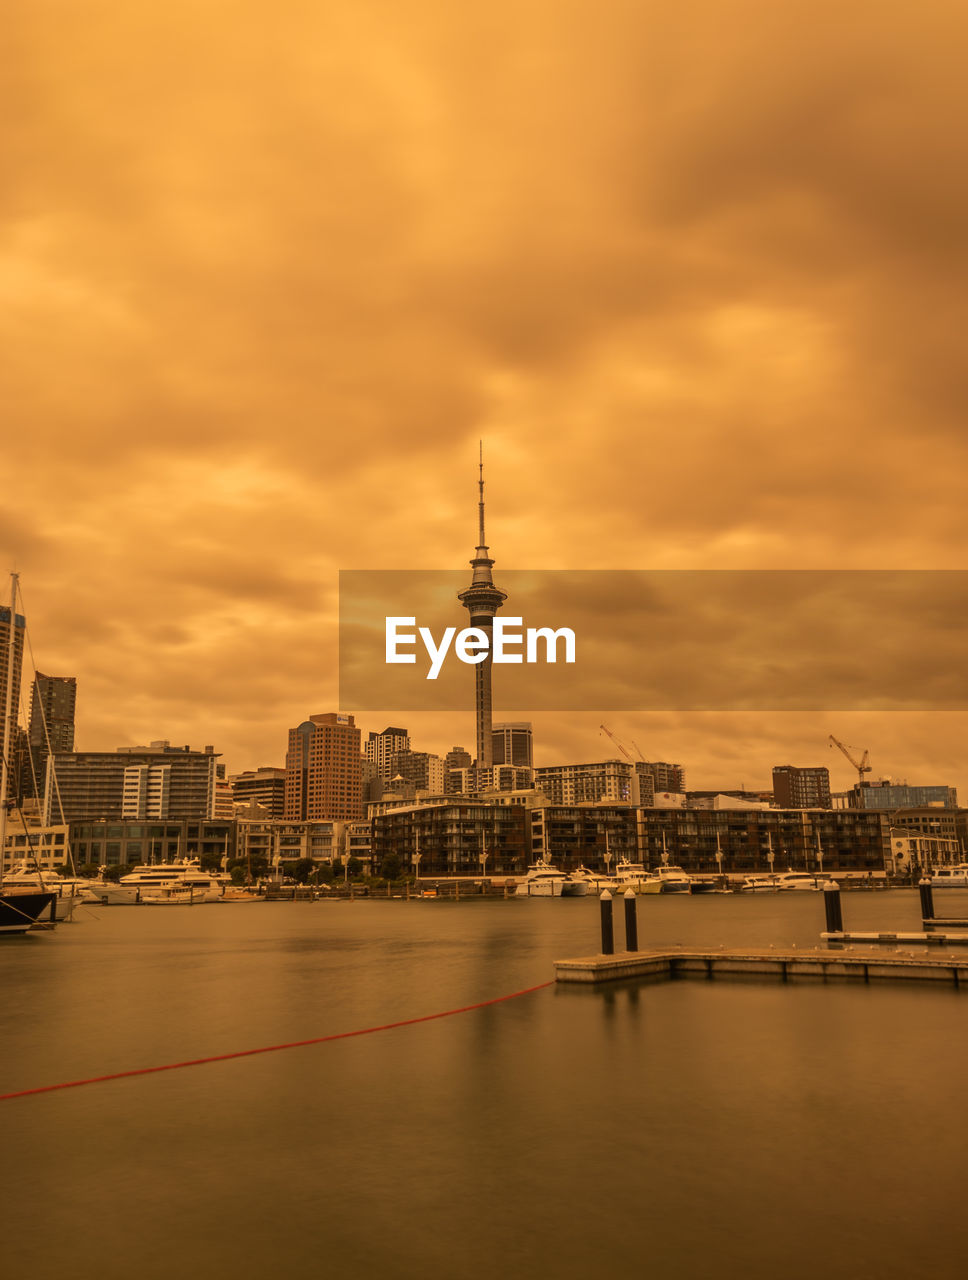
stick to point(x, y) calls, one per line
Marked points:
point(21, 909)
point(953, 877)
point(594, 881)
point(667, 879)
point(630, 875)
point(785, 881)
point(545, 881)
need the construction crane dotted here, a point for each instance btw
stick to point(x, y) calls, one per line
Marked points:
point(605, 729)
point(863, 765)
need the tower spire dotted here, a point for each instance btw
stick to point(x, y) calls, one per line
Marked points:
point(482, 599)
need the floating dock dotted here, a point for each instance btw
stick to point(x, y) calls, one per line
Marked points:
point(817, 965)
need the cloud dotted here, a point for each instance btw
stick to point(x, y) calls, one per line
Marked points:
point(694, 273)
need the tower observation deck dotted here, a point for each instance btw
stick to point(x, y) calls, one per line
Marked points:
point(482, 599)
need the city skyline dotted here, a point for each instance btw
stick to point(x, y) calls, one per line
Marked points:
point(702, 318)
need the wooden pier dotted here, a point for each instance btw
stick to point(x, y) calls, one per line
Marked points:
point(786, 965)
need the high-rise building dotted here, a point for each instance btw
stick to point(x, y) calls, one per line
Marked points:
point(665, 777)
point(265, 786)
point(323, 770)
point(158, 781)
point(52, 704)
point(513, 744)
point(482, 599)
point(381, 747)
point(801, 788)
point(12, 628)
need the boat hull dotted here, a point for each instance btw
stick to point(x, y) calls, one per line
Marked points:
point(20, 911)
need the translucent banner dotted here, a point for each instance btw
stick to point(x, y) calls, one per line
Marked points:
point(652, 640)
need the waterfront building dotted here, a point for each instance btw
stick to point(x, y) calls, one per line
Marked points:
point(112, 842)
point(593, 836)
point(513, 743)
point(158, 781)
point(932, 820)
point(801, 788)
point(32, 844)
point(380, 748)
point(741, 841)
point(482, 599)
point(586, 783)
point(890, 795)
point(466, 838)
point(358, 844)
point(914, 852)
point(284, 843)
point(323, 773)
point(265, 786)
point(53, 701)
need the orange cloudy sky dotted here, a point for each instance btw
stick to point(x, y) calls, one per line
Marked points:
point(695, 273)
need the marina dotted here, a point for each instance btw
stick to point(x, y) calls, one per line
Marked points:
point(397, 1152)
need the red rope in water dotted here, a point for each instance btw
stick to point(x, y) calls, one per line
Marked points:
point(272, 1048)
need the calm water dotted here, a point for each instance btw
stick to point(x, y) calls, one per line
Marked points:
point(679, 1130)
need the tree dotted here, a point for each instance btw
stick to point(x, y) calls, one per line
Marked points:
point(302, 869)
point(390, 867)
point(354, 867)
point(210, 861)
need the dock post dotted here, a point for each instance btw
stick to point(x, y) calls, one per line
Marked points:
point(927, 899)
point(832, 909)
point(608, 936)
point(631, 927)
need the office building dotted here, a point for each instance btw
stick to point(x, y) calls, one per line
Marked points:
point(264, 786)
point(889, 795)
point(513, 744)
point(113, 842)
point(323, 770)
point(801, 788)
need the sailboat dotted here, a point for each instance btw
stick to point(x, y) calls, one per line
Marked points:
point(20, 909)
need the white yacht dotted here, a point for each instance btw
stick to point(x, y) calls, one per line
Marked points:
point(629, 875)
point(69, 891)
point(546, 881)
point(954, 877)
point(155, 880)
point(786, 881)
point(594, 881)
point(667, 879)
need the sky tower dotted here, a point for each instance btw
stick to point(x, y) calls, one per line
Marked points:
point(482, 599)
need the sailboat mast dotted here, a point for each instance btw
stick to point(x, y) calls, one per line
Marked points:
point(8, 707)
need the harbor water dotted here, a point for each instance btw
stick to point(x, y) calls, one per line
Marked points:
point(677, 1130)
